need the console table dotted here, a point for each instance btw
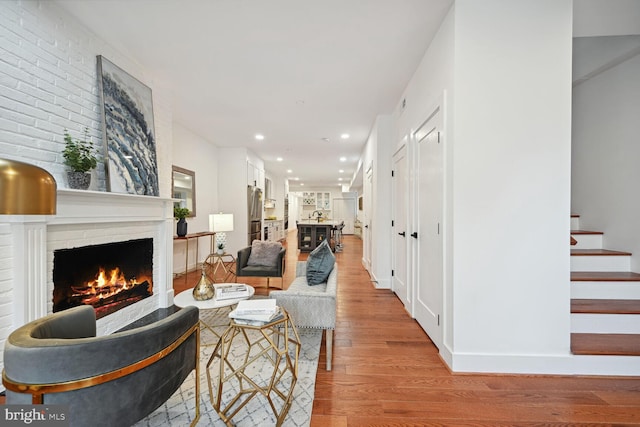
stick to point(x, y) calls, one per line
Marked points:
point(186, 252)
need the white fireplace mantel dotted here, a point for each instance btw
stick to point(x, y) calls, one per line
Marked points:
point(82, 210)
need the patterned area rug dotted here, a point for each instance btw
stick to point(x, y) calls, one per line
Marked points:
point(179, 409)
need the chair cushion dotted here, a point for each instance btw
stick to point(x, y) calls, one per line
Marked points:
point(264, 253)
point(319, 264)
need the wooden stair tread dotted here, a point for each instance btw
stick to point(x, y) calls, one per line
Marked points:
point(604, 276)
point(585, 232)
point(597, 252)
point(605, 306)
point(606, 344)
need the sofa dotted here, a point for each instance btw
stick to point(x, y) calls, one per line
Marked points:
point(111, 380)
point(311, 306)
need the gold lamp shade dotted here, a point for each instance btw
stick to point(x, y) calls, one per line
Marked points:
point(26, 189)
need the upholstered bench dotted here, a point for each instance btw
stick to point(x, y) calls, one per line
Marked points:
point(311, 306)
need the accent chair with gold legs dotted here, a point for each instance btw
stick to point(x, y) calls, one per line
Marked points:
point(262, 259)
point(111, 380)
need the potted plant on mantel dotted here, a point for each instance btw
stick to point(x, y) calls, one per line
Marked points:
point(80, 157)
point(180, 214)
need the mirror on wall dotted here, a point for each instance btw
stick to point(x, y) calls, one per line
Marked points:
point(183, 187)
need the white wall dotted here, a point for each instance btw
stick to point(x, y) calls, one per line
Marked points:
point(377, 153)
point(431, 86)
point(195, 153)
point(605, 146)
point(49, 83)
point(511, 185)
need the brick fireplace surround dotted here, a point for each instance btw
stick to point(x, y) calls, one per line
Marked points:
point(27, 244)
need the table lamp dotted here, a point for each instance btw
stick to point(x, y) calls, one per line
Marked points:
point(220, 223)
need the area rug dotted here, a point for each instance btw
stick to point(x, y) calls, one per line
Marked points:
point(179, 409)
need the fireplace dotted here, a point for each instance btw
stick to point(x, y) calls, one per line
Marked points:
point(107, 276)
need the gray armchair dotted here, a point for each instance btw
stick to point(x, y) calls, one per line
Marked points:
point(276, 270)
point(111, 380)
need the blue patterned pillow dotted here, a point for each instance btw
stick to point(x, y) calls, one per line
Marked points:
point(319, 264)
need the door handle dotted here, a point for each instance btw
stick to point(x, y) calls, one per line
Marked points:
point(414, 234)
point(402, 234)
point(366, 226)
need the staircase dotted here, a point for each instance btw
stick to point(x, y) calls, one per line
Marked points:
point(605, 299)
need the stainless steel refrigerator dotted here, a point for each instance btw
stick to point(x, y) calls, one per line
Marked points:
point(254, 204)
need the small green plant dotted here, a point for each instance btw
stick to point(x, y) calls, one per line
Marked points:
point(79, 154)
point(180, 213)
point(221, 246)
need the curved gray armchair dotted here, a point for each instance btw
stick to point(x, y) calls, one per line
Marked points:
point(277, 270)
point(111, 380)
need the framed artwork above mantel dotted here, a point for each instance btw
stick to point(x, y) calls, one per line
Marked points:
point(128, 129)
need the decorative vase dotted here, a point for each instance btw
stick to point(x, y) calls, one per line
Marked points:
point(204, 289)
point(181, 229)
point(220, 251)
point(78, 180)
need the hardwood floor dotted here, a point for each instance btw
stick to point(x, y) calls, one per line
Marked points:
point(386, 371)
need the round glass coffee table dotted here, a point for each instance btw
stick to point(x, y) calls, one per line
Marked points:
point(185, 298)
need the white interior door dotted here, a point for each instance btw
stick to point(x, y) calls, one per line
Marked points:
point(367, 223)
point(429, 247)
point(399, 215)
point(345, 210)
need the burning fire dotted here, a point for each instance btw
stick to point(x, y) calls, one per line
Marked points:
point(105, 285)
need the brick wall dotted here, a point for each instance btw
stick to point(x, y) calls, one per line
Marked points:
point(48, 83)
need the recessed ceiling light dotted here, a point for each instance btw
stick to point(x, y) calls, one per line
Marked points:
point(279, 159)
point(343, 159)
point(344, 136)
point(259, 136)
point(302, 183)
point(341, 171)
point(339, 179)
point(289, 171)
point(296, 179)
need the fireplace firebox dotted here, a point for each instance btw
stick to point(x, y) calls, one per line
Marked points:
point(108, 276)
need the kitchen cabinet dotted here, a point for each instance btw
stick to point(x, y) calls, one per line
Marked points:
point(255, 176)
point(311, 235)
point(309, 199)
point(323, 201)
point(274, 230)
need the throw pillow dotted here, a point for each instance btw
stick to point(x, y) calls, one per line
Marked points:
point(319, 264)
point(264, 253)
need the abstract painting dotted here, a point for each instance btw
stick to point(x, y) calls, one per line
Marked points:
point(127, 119)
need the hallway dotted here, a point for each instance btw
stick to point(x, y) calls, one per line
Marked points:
point(387, 372)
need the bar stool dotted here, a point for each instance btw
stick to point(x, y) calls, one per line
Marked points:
point(338, 236)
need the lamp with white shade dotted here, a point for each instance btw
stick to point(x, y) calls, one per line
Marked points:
point(221, 223)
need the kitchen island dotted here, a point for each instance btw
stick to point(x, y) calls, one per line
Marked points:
point(311, 233)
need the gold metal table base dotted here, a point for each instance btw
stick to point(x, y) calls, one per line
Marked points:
point(224, 262)
point(276, 345)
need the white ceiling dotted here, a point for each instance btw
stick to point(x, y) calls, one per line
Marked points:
point(297, 71)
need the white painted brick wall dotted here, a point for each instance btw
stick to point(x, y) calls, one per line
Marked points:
point(48, 83)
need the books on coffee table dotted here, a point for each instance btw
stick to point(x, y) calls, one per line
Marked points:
point(256, 312)
point(232, 291)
